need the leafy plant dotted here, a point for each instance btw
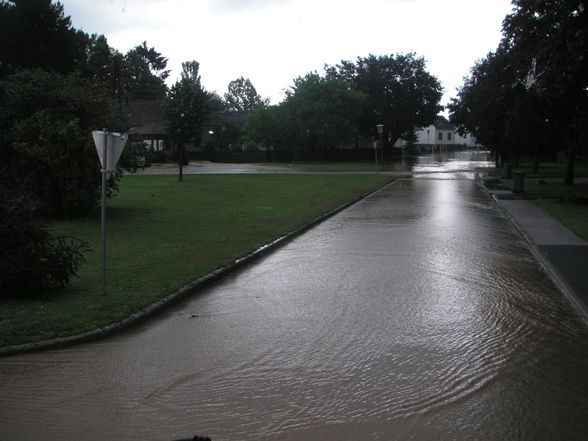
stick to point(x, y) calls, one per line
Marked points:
point(32, 260)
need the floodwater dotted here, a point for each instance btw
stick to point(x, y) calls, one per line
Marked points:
point(416, 314)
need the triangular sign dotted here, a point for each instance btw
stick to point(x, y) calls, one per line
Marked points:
point(114, 147)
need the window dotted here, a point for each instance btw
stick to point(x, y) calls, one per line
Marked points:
point(448, 136)
point(440, 136)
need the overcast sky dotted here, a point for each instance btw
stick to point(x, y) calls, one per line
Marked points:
point(272, 42)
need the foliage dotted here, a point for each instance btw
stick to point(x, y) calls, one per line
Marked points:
point(534, 89)
point(45, 125)
point(36, 34)
point(185, 106)
point(32, 260)
point(318, 113)
point(262, 127)
point(401, 94)
point(144, 73)
point(242, 96)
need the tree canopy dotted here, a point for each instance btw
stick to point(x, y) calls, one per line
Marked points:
point(144, 73)
point(242, 96)
point(401, 94)
point(530, 96)
point(318, 113)
point(37, 34)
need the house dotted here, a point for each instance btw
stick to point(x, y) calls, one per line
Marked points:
point(223, 129)
point(146, 121)
point(442, 133)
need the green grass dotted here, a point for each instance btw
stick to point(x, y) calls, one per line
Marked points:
point(163, 234)
point(546, 170)
point(550, 189)
point(545, 189)
point(573, 216)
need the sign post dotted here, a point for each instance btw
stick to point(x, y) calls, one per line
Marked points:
point(109, 147)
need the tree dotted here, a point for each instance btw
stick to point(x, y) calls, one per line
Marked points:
point(322, 111)
point(37, 34)
point(185, 109)
point(401, 94)
point(144, 73)
point(318, 114)
point(484, 101)
point(242, 96)
point(550, 40)
point(45, 123)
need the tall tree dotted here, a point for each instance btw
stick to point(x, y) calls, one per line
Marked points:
point(242, 96)
point(550, 40)
point(401, 93)
point(144, 73)
point(37, 34)
point(319, 113)
point(185, 109)
point(484, 101)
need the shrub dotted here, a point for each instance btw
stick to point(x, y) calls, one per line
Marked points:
point(32, 261)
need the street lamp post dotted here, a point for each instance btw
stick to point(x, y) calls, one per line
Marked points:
point(380, 128)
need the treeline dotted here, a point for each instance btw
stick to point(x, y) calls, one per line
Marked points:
point(321, 112)
point(529, 98)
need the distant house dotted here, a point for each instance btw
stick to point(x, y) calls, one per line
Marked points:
point(442, 132)
point(223, 129)
point(146, 121)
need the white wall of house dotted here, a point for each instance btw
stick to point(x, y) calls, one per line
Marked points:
point(432, 135)
point(426, 135)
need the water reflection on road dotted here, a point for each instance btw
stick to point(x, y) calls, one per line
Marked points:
point(416, 314)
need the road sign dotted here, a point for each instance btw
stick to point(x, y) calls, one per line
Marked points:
point(114, 147)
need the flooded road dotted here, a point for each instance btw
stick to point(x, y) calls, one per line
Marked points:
point(416, 314)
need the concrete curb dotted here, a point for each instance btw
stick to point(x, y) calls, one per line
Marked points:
point(183, 293)
point(555, 276)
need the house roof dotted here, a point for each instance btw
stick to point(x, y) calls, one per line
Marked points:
point(146, 118)
point(227, 117)
point(441, 123)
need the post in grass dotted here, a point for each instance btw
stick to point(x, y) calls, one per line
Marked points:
point(109, 147)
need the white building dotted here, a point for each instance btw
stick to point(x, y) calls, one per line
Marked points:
point(442, 132)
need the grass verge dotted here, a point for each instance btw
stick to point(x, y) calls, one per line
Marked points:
point(162, 234)
point(573, 216)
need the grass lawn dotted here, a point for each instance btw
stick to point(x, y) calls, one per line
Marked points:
point(546, 170)
point(551, 189)
point(163, 234)
point(573, 216)
point(547, 194)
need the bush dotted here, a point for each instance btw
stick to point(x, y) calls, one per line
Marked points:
point(32, 261)
point(46, 120)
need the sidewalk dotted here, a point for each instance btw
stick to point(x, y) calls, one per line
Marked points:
point(563, 255)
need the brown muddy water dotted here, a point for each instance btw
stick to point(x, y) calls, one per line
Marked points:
point(416, 314)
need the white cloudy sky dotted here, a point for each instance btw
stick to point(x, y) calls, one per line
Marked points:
point(274, 41)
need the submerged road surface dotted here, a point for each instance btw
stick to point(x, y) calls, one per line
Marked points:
point(416, 314)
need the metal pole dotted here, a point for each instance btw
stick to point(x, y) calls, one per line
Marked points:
point(104, 171)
